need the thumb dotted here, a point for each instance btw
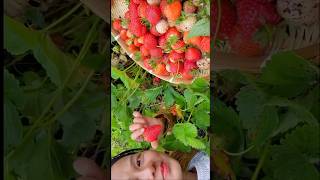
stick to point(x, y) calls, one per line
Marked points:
point(87, 167)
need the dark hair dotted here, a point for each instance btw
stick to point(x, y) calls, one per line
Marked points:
point(125, 153)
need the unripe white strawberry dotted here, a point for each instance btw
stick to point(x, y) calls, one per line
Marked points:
point(154, 2)
point(162, 26)
point(187, 24)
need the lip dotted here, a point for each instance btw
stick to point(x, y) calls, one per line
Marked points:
point(164, 169)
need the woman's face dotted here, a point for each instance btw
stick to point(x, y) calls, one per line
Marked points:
point(146, 165)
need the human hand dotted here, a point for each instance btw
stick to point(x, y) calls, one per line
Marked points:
point(140, 123)
point(88, 169)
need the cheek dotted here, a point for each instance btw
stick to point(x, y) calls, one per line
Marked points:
point(175, 170)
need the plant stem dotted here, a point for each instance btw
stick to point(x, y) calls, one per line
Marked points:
point(239, 153)
point(70, 103)
point(63, 17)
point(81, 55)
point(260, 163)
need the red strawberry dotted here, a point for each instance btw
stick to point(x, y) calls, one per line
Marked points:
point(132, 48)
point(137, 1)
point(187, 71)
point(129, 42)
point(160, 69)
point(188, 7)
point(196, 41)
point(156, 81)
point(156, 53)
point(151, 133)
point(150, 41)
point(227, 21)
point(130, 35)
point(253, 14)
point(154, 31)
point(136, 42)
point(153, 14)
point(127, 15)
point(172, 11)
point(187, 75)
point(175, 56)
point(172, 32)
point(144, 51)
point(162, 41)
point(205, 44)
point(142, 9)
point(137, 28)
point(179, 46)
point(117, 25)
point(193, 54)
point(269, 11)
point(123, 34)
point(133, 10)
point(244, 46)
point(175, 67)
point(190, 65)
point(147, 63)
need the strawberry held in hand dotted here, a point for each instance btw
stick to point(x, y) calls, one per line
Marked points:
point(151, 133)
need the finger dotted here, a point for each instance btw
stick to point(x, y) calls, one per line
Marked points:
point(139, 120)
point(87, 167)
point(137, 114)
point(137, 133)
point(136, 126)
point(140, 139)
point(154, 144)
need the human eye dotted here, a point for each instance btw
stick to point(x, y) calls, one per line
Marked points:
point(138, 160)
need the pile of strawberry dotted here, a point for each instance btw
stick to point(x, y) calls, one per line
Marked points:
point(246, 24)
point(151, 30)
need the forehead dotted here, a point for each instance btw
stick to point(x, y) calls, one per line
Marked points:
point(122, 169)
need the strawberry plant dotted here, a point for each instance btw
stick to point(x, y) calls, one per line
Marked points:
point(54, 91)
point(133, 89)
point(266, 126)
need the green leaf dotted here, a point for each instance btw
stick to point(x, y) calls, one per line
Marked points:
point(77, 126)
point(45, 155)
point(183, 131)
point(300, 110)
point(94, 61)
point(127, 81)
point(200, 28)
point(202, 118)
point(195, 143)
point(20, 39)
point(226, 129)
point(152, 94)
point(13, 130)
point(17, 38)
point(288, 75)
point(168, 97)
point(294, 158)
point(250, 103)
point(12, 90)
point(267, 125)
point(190, 98)
point(200, 85)
point(305, 139)
point(170, 143)
point(55, 62)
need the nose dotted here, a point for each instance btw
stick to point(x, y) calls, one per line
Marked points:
point(148, 172)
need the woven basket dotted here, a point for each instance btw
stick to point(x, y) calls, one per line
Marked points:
point(118, 9)
point(304, 40)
